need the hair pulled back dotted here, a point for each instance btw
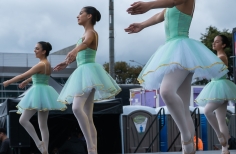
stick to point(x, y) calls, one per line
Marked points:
point(96, 16)
point(46, 46)
point(224, 40)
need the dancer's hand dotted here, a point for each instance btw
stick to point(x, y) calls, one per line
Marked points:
point(23, 84)
point(60, 66)
point(139, 8)
point(6, 83)
point(134, 28)
point(71, 56)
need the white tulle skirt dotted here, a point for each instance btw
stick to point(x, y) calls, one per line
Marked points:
point(217, 91)
point(85, 78)
point(181, 53)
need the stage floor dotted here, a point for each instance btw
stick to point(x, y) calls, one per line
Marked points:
point(198, 152)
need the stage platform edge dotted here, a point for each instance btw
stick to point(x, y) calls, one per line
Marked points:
point(198, 152)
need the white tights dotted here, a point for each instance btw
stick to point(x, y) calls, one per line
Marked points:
point(217, 120)
point(43, 126)
point(83, 111)
point(175, 90)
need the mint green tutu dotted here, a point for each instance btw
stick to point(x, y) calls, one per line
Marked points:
point(180, 52)
point(40, 96)
point(87, 76)
point(217, 91)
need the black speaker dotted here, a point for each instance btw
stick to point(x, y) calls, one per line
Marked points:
point(17, 134)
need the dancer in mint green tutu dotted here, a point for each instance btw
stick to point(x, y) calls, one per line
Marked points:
point(216, 95)
point(177, 63)
point(89, 82)
point(39, 98)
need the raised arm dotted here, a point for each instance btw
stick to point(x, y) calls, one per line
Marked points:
point(137, 27)
point(154, 19)
point(89, 37)
point(71, 56)
point(34, 70)
point(142, 7)
point(24, 83)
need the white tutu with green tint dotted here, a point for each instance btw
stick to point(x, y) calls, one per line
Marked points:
point(181, 53)
point(217, 91)
point(40, 96)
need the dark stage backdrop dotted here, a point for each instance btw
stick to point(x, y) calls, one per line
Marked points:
point(61, 123)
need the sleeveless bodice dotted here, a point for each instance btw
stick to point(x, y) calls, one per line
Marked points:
point(176, 23)
point(40, 79)
point(85, 56)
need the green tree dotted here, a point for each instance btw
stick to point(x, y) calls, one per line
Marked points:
point(207, 39)
point(124, 72)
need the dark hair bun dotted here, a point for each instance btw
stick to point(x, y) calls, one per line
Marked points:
point(98, 16)
point(49, 46)
point(225, 40)
point(46, 46)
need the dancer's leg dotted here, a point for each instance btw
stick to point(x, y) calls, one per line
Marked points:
point(184, 92)
point(83, 120)
point(220, 116)
point(24, 121)
point(211, 117)
point(88, 109)
point(43, 125)
point(169, 86)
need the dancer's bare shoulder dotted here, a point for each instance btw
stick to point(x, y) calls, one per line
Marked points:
point(224, 58)
point(187, 7)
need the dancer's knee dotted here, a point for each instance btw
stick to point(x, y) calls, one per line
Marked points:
point(207, 111)
point(23, 121)
point(166, 94)
point(43, 125)
point(76, 110)
point(90, 120)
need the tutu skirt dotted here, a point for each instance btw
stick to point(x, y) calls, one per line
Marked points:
point(40, 97)
point(217, 91)
point(86, 77)
point(181, 53)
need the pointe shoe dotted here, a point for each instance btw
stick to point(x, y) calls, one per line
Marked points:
point(42, 148)
point(92, 151)
point(186, 143)
point(224, 143)
point(225, 152)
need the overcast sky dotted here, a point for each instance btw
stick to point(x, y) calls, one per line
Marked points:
point(25, 22)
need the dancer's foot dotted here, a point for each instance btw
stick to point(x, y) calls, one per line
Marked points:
point(222, 140)
point(42, 148)
point(92, 151)
point(188, 144)
point(225, 152)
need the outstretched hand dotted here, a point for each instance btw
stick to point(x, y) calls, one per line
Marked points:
point(71, 56)
point(134, 28)
point(60, 66)
point(138, 8)
point(23, 84)
point(6, 83)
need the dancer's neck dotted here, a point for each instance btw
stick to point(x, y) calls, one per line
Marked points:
point(220, 52)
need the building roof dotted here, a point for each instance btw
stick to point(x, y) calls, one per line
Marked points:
point(64, 51)
point(12, 64)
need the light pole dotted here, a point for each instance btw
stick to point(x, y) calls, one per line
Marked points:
point(137, 62)
point(111, 38)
